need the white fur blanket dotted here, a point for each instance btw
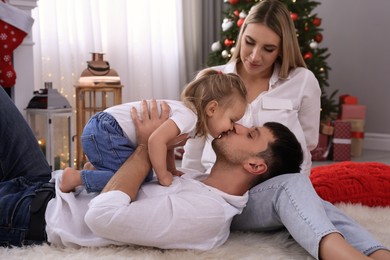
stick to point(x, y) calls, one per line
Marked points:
point(239, 246)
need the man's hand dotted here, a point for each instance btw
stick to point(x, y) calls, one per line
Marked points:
point(150, 119)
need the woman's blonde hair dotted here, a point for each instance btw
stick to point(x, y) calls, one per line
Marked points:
point(274, 14)
point(210, 85)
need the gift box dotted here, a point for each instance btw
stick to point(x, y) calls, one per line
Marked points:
point(321, 152)
point(357, 136)
point(353, 111)
point(341, 141)
point(348, 99)
point(326, 129)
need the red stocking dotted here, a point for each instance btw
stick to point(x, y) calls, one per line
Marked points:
point(14, 26)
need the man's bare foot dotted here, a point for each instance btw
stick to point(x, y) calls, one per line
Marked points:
point(71, 178)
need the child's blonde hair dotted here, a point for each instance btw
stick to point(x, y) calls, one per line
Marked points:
point(211, 85)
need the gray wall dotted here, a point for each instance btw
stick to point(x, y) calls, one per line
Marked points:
point(357, 33)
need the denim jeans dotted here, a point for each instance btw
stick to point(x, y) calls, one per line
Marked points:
point(290, 201)
point(23, 169)
point(107, 148)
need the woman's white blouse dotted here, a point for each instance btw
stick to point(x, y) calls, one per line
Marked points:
point(294, 102)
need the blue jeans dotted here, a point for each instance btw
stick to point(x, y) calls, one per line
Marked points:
point(23, 169)
point(107, 148)
point(290, 201)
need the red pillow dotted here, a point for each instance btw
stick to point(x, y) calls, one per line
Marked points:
point(367, 183)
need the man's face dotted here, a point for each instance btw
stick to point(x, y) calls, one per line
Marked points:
point(241, 143)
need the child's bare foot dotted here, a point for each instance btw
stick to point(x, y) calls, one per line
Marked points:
point(71, 178)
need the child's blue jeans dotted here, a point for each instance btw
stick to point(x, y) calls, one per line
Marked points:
point(107, 148)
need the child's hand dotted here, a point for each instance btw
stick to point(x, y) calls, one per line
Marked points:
point(165, 178)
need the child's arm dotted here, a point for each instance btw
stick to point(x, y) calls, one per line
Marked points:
point(158, 148)
point(171, 163)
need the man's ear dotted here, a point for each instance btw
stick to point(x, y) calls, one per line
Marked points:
point(255, 166)
point(211, 107)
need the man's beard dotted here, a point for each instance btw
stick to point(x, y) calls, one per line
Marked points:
point(225, 153)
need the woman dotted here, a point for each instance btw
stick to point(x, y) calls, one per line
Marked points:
point(280, 88)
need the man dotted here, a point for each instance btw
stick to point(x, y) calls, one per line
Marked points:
point(195, 212)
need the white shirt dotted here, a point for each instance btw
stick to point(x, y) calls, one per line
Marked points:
point(184, 118)
point(294, 102)
point(186, 215)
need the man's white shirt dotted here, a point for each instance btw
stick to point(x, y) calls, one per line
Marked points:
point(186, 215)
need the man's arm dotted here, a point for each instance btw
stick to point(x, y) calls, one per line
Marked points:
point(132, 173)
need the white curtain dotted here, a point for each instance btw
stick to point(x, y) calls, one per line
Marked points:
point(143, 40)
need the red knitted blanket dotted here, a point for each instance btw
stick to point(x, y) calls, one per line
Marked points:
point(367, 183)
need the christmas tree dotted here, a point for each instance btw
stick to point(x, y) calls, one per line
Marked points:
point(309, 38)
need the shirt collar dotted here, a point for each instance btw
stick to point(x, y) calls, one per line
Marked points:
point(232, 68)
point(275, 76)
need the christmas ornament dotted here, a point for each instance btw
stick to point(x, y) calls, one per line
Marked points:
point(228, 42)
point(243, 14)
point(240, 22)
point(308, 55)
point(316, 21)
point(226, 24)
point(225, 54)
point(234, 2)
point(232, 50)
point(313, 45)
point(318, 38)
point(294, 16)
point(216, 46)
point(236, 13)
point(14, 26)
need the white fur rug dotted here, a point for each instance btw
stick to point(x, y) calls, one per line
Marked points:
point(239, 246)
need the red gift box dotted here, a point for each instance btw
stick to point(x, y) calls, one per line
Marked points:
point(353, 111)
point(342, 141)
point(320, 153)
point(348, 99)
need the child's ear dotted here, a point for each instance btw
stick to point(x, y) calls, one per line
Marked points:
point(211, 107)
point(255, 166)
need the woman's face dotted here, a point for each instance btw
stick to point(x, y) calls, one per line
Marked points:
point(260, 47)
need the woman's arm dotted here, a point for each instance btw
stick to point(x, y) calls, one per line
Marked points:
point(309, 113)
point(192, 156)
